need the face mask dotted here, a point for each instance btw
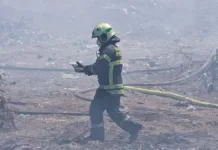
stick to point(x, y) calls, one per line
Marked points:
point(98, 43)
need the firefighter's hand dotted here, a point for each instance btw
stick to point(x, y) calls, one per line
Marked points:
point(79, 64)
point(78, 68)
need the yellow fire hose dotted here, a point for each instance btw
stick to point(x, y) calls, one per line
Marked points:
point(143, 90)
point(162, 93)
point(157, 93)
point(173, 96)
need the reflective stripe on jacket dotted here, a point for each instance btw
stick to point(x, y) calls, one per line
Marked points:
point(108, 68)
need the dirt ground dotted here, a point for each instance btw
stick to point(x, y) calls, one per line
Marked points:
point(167, 124)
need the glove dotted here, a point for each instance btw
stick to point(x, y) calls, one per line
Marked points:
point(87, 70)
point(78, 67)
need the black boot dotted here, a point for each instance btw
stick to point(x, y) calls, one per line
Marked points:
point(132, 128)
point(97, 134)
point(134, 135)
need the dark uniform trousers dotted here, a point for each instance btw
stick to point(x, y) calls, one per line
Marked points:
point(111, 103)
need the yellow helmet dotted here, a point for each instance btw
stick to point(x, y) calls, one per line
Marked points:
point(103, 32)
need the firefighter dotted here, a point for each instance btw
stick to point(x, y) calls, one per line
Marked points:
point(214, 72)
point(108, 68)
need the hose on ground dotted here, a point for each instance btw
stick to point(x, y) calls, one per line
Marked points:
point(157, 93)
point(50, 113)
point(172, 96)
point(143, 90)
point(77, 95)
point(70, 70)
point(199, 71)
point(162, 93)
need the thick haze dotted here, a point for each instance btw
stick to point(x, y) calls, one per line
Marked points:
point(41, 39)
point(153, 18)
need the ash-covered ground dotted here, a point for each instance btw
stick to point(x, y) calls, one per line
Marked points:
point(53, 34)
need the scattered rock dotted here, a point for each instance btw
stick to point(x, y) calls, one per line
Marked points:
point(190, 108)
point(182, 104)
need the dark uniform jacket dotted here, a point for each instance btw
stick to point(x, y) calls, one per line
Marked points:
point(108, 68)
